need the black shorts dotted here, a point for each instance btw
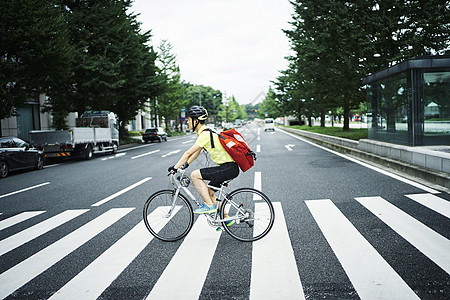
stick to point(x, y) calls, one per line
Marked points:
point(217, 175)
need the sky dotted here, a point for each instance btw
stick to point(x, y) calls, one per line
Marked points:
point(235, 46)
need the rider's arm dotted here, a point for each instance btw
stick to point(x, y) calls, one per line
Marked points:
point(189, 156)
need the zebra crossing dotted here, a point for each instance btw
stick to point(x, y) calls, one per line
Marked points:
point(274, 268)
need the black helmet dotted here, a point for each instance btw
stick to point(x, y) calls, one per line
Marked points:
point(198, 112)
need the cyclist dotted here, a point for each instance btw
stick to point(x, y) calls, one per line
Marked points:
point(226, 168)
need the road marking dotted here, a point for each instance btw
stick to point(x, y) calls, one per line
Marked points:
point(274, 270)
point(370, 274)
point(257, 185)
point(33, 232)
point(19, 218)
point(432, 244)
point(189, 266)
point(137, 147)
point(289, 147)
point(145, 154)
point(187, 142)
point(410, 182)
point(433, 202)
point(97, 276)
point(171, 153)
point(114, 156)
point(24, 190)
point(121, 192)
point(28, 269)
point(258, 148)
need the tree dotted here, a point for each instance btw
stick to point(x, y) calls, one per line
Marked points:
point(34, 49)
point(114, 67)
point(210, 98)
point(269, 108)
point(334, 45)
point(171, 100)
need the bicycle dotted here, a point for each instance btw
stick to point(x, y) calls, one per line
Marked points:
point(169, 216)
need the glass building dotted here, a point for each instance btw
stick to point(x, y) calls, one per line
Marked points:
point(409, 103)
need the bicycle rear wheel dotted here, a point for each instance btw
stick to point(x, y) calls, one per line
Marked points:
point(254, 212)
point(164, 224)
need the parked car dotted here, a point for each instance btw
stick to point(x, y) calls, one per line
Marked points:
point(15, 154)
point(154, 134)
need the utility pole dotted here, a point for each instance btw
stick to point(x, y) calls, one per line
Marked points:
point(200, 96)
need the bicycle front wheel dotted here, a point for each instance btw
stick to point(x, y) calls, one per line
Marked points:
point(167, 222)
point(253, 214)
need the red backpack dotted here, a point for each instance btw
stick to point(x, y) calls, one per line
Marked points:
point(235, 145)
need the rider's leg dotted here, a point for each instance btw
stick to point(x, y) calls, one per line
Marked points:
point(202, 189)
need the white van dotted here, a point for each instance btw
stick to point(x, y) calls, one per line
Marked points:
point(269, 124)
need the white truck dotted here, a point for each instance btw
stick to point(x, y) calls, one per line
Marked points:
point(94, 132)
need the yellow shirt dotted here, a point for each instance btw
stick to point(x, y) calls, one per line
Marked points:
point(218, 154)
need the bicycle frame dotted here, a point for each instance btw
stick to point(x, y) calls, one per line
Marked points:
point(183, 182)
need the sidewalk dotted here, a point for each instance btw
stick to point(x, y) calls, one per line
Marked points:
point(430, 164)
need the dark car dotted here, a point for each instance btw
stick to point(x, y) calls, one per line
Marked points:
point(154, 134)
point(15, 154)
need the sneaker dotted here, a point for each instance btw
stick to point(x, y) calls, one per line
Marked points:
point(205, 209)
point(227, 223)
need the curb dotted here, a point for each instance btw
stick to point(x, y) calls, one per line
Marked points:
point(349, 147)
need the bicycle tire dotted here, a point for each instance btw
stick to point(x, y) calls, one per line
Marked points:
point(260, 210)
point(164, 228)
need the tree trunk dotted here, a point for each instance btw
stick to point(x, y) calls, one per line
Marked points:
point(346, 116)
point(322, 117)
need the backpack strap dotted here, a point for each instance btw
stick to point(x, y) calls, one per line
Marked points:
point(211, 137)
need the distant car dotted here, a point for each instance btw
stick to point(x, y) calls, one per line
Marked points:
point(15, 154)
point(154, 134)
point(269, 124)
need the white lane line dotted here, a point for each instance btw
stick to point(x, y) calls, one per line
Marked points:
point(171, 153)
point(114, 156)
point(137, 147)
point(121, 192)
point(24, 190)
point(19, 218)
point(257, 185)
point(187, 142)
point(145, 154)
point(189, 266)
point(258, 148)
point(430, 243)
point(33, 232)
point(433, 202)
point(410, 182)
point(370, 274)
point(28, 269)
point(274, 270)
point(97, 276)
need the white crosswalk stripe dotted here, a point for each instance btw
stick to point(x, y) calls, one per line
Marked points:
point(429, 242)
point(19, 218)
point(274, 270)
point(92, 281)
point(31, 233)
point(274, 267)
point(28, 269)
point(190, 265)
point(433, 202)
point(370, 274)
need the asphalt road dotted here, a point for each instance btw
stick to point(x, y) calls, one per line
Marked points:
point(343, 230)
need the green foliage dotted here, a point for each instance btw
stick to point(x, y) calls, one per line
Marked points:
point(210, 98)
point(353, 134)
point(269, 108)
point(34, 50)
point(334, 42)
point(171, 100)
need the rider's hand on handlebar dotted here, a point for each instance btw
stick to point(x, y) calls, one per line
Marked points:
point(172, 170)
